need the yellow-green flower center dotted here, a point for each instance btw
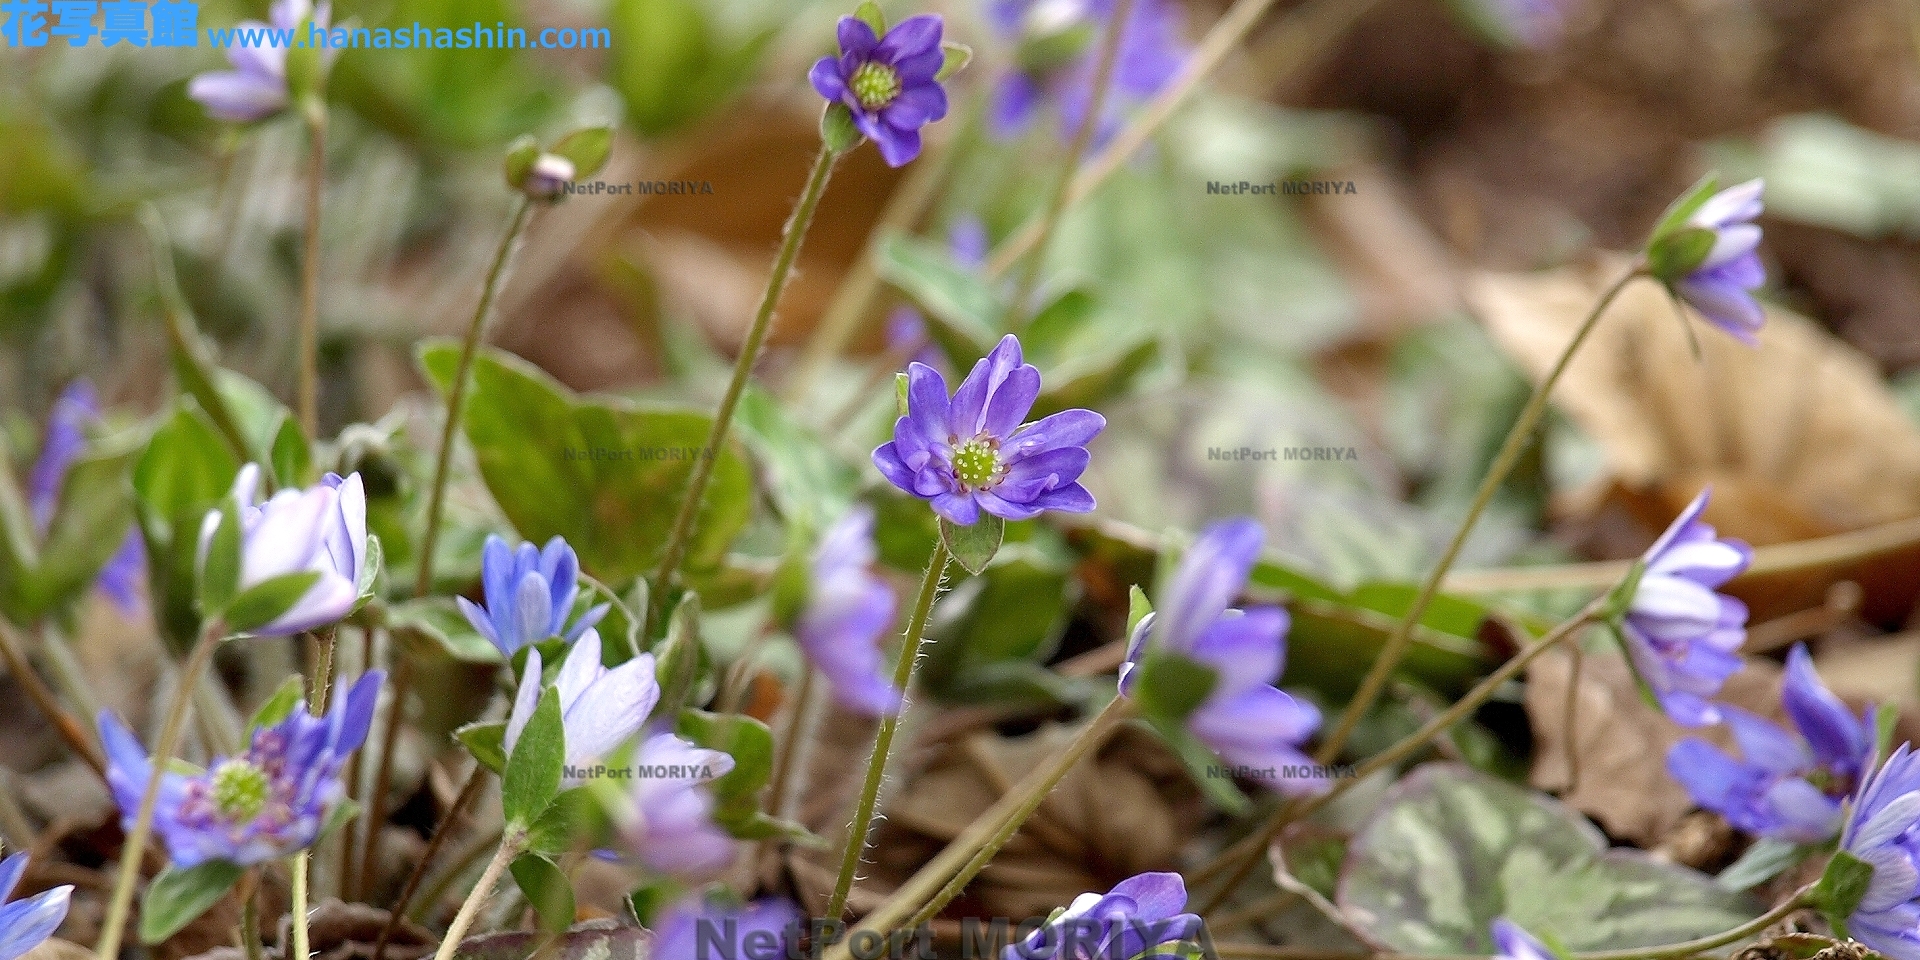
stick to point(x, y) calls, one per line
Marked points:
point(240, 789)
point(976, 463)
point(876, 84)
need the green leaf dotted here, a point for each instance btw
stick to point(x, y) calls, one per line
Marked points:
point(487, 742)
point(521, 154)
point(547, 890)
point(966, 312)
point(185, 471)
point(291, 458)
point(605, 474)
point(1170, 687)
point(1841, 888)
point(268, 600)
point(1010, 618)
point(587, 148)
point(532, 778)
point(973, 546)
point(17, 553)
point(177, 897)
point(804, 478)
point(1766, 859)
point(89, 524)
point(1449, 849)
point(439, 622)
point(220, 568)
point(281, 705)
point(681, 656)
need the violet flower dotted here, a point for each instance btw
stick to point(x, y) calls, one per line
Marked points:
point(322, 529)
point(1060, 50)
point(65, 440)
point(888, 83)
point(1883, 830)
point(1511, 942)
point(549, 176)
point(669, 824)
point(972, 453)
point(25, 924)
point(599, 708)
point(529, 595)
point(1244, 718)
point(1140, 913)
point(1721, 285)
point(257, 86)
point(267, 803)
point(848, 610)
point(1682, 637)
point(770, 926)
point(1790, 784)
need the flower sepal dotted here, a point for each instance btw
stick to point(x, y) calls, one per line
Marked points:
point(1683, 207)
point(870, 14)
point(1841, 888)
point(1170, 687)
point(1621, 598)
point(837, 130)
point(954, 58)
point(973, 545)
point(1679, 253)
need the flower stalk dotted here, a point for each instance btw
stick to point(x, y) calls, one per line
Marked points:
point(511, 843)
point(883, 741)
point(681, 536)
point(113, 928)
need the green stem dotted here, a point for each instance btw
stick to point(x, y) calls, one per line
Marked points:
point(883, 741)
point(114, 928)
point(302, 946)
point(457, 390)
point(1801, 898)
point(681, 536)
point(1239, 860)
point(1516, 443)
point(1057, 197)
point(309, 383)
point(510, 844)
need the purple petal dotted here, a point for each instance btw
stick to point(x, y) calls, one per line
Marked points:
point(916, 107)
point(1068, 428)
point(957, 507)
point(11, 870)
point(525, 700)
point(1510, 942)
point(857, 39)
point(238, 97)
point(1245, 649)
point(889, 465)
point(828, 81)
point(1156, 895)
point(967, 415)
point(927, 401)
point(1766, 745)
point(1213, 572)
point(1006, 509)
point(27, 923)
point(897, 147)
point(910, 37)
point(1072, 498)
point(1838, 738)
point(1030, 477)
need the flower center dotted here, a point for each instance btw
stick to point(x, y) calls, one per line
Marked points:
point(241, 790)
point(976, 463)
point(876, 84)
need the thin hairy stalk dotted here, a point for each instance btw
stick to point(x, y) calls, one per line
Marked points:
point(383, 771)
point(114, 927)
point(510, 844)
point(398, 910)
point(1057, 194)
point(320, 688)
point(851, 300)
point(69, 729)
point(1516, 443)
point(309, 362)
point(457, 390)
point(1239, 860)
point(681, 537)
point(790, 736)
point(302, 936)
point(883, 741)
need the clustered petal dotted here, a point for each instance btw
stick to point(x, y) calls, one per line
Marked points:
point(26, 923)
point(322, 529)
point(1140, 913)
point(1883, 829)
point(600, 708)
point(65, 440)
point(1721, 286)
point(257, 86)
point(1244, 718)
point(887, 83)
point(1151, 54)
point(1683, 637)
point(1788, 784)
point(529, 595)
point(972, 452)
point(669, 823)
point(264, 804)
point(849, 609)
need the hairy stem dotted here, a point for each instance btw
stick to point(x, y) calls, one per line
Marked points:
point(510, 844)
point(883, 741)
point(302, 946)
point(457, 390)
point(114, 927)
point(681, 537)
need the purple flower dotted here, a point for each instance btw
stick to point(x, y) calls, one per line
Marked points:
point(599, 708)
point(699, 929)
point(1721, 286)
point(1510, 942)
point(1244, 718)
point(848, 610)
point(549, 176)
point(1151, 54)
point(24, 924)
point(971, 453)
point(529, 595)
point(1682, 637)
point(264, 804)
point(1138, 914)
point(1789, 785)
point(1531, 23)
point(257, 86)
point(887, 83)
point(66, 439)
point(1883, 829)
point(668, 824)
point(322, 529)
